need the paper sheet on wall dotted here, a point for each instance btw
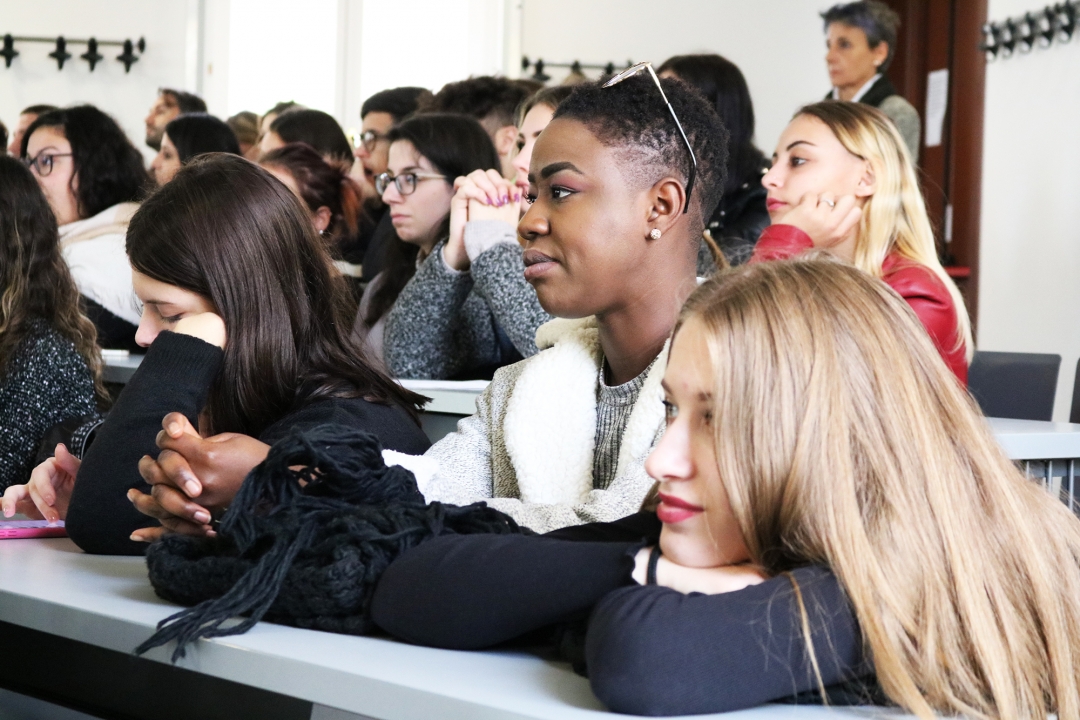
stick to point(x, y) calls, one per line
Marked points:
point(937, 102)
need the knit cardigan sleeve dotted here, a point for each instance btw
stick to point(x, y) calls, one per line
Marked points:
point(432, 331)
point(499, 277)
point(46, 382)
point(175, 376)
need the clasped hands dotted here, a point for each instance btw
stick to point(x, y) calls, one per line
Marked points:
point(480, 195)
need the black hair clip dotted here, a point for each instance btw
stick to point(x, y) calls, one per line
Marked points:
point(60, 54)
point(91, 55)
point(1026, 33)
point(989, 44)
point(1065, 20)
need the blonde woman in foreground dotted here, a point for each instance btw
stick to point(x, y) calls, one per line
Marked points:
point(836, 524)
point(842, 181)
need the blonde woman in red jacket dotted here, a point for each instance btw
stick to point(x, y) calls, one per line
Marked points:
point(842, 180)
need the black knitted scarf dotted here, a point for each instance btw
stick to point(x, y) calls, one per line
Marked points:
point(307, 555)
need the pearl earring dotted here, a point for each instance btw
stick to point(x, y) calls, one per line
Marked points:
point(654, 233)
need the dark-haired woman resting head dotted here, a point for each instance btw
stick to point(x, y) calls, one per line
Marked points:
point(188, 136)
point(437, 321)
point(247, 326)
point(741, 215)
point(92, 176)
point(836, 522)
point(49, 361)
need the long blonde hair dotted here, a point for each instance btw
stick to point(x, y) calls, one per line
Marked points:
point(894, 218)
point(842, 439)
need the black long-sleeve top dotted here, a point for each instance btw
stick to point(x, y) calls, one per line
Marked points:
point(176, 376)
point(649, 650)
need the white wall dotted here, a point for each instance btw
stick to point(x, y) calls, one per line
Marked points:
point(33, 77)
point(1029, 286)
point(778, 44)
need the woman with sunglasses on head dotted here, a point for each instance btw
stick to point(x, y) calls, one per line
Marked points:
point(482, 250)
point(843, 181)
point(611, 249)
point(837, 524)
point(93, 177)
point(50, 365)
point(246, 362)
point(188, 136)
point(435, 321)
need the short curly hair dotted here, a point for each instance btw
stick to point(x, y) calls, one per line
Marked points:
point(491, 100)
point(632, 116)
point(879, 21)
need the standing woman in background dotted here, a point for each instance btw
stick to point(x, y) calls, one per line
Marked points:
point(187, 137)
point(842, 181)
point(50, 366)
point(93, 177)
point(861, 41)
point(741, 216)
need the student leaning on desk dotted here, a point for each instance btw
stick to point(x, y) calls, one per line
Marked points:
point(836, 522)
point(248, 336)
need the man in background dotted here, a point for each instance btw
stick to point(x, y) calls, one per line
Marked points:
point(491, 100)
point(27, 116)
point(169, 104)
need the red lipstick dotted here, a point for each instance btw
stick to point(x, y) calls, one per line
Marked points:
point(675, 510)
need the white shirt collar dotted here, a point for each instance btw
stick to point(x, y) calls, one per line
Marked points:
point(862, 91)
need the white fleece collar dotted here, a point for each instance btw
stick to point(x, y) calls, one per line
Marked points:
point(550, 425)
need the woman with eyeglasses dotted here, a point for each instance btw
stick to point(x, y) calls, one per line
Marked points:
point(435, 321)
point(246, 361)
point(93, 178)
point(836, 524)
point(188, 136)
point(842, 181)
point(482, 247)
point(50, 365)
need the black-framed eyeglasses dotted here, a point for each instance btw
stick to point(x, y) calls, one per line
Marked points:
point(369, 139)
point(634, 70)
point(43, 163)
point(405, 182)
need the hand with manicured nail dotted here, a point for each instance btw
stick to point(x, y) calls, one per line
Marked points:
point(48, 493)
point(193, 476)
point(480, 195)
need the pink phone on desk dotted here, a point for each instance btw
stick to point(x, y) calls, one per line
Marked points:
point(15, 529)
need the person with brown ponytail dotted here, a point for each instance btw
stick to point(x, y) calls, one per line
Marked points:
point(333, 198)
point(50, 365)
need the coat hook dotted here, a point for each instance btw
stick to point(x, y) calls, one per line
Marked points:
point(540, 75)
point(9, 52)
point(60, 55)
point(91, 55)
point(128, 57)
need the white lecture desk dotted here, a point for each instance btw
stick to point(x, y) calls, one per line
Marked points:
point(106, 604)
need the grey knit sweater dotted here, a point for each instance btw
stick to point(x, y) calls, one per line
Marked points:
point(46, 381)
point(446, 324)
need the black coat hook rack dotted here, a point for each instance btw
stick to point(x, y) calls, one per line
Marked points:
point(576, 66)
point(1053, 23)
point(61, 55)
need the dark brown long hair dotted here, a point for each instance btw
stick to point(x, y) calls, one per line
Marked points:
point(456, 145)
point(36, 283)
point(226, 229)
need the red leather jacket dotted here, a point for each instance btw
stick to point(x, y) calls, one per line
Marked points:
point(923, 290)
